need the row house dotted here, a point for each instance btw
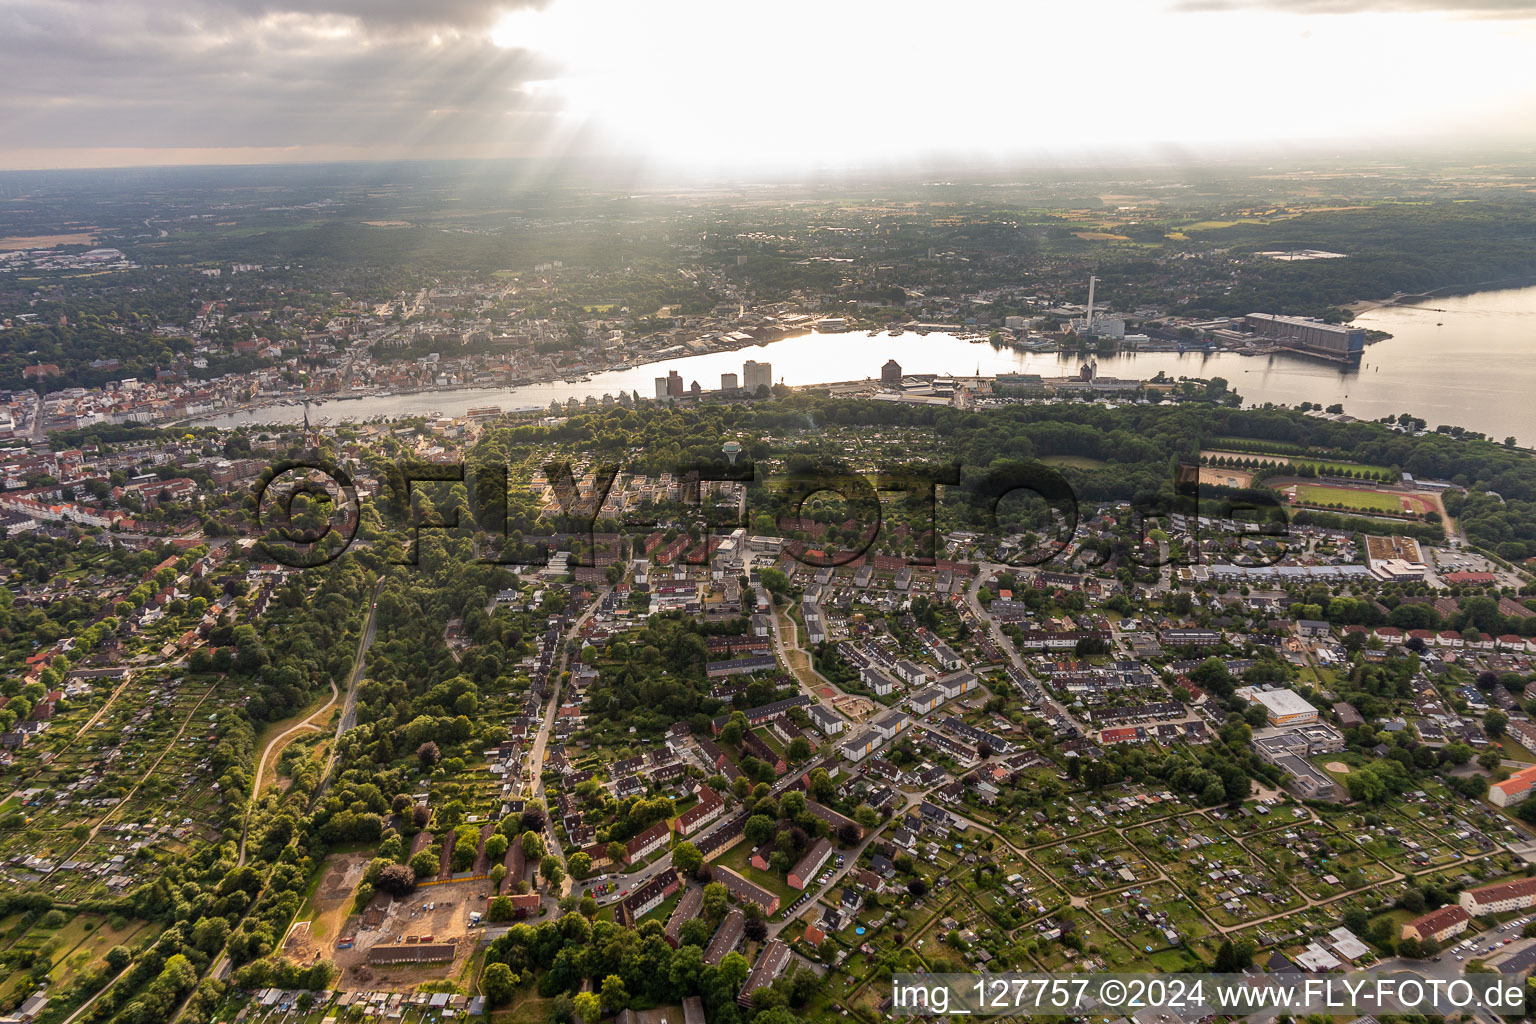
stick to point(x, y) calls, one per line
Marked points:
point(709, 807)
point(1500, 898)
point(647, 897)
point(647, 842)
point(801, 875)
point(765, 713)
point(746, 891)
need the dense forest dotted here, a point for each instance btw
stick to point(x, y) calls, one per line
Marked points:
point(1140, 447)
point(1392, 248)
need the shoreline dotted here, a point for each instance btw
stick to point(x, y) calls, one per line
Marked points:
point(1449, 291)
point(1289, 383)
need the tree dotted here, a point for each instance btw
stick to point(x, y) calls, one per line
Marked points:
point(684, 968)
point(428, 754)
point(1456, 753)
point(733, 971)
point(496, 846)
point(687, 858)
point(500, 909)
point(533, 846)
point(533, 817)
point(917, 886)
point(580, 865)
point(498, 984)
point(759, 829)
point(1234, 957)
point(774, 581)
point(616, 852)
point(1494, 722)
point(716, 899)
point(550, 870)
point(695, 933)
point(210, 934)
point(589, 1007)
point(615, 997)
point(755, 928)
point(424, 864)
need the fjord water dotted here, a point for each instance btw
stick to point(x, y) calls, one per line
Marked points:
point(1467, 361)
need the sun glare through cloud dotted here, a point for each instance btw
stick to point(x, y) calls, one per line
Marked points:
point(717, 85)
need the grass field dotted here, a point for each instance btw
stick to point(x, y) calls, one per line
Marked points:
point(1375, 501)
point(1515, 752)
point(1217, 225)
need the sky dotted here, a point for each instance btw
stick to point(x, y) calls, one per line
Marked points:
point(743, 86)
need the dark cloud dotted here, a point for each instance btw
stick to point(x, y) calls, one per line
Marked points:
point(224, 73)
point(468, 15)
point(1472, 9)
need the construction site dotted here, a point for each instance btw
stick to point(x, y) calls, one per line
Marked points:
point(427, 935)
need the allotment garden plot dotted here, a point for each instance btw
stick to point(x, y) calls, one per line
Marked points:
point(1317, 859)
point(1150, 918)
point(138, 785)
point(1095, 863)
point(1223, 879)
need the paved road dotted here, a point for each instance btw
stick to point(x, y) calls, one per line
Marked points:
point(1446, 965)
point(348, 717)
point(534, 773)
point(985, 572)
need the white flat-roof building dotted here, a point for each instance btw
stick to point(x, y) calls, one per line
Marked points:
point(1282, 707)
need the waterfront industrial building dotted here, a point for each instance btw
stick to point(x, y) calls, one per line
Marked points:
point(1337, 342)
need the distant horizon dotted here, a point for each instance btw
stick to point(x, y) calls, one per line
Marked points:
point(1298, 155)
